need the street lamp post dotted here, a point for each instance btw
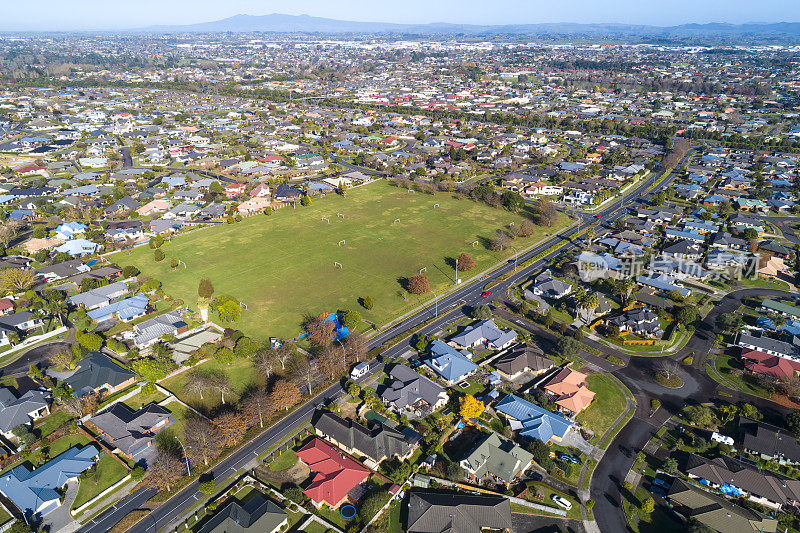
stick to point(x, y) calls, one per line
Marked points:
point(516, 253)
point(343, 350)
point(435, 303)
point(185, 457)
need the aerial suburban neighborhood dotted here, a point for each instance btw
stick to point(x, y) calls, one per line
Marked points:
point(292, 274)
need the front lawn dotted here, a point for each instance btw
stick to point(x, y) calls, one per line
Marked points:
point(282, 266)
point(285, 460)
point(108, 471)
point(609, 402)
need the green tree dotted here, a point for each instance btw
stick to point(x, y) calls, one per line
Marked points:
point(245, 347)
point(368, 303)
point(351, 319)
point(159, 255)
point(130, 271)
point(224, 355)
point(567, 346)
point(687, 315)
point(671, 466)
point(305, 200)
point(792, 423)
point(648, 505)
point(91, 341)
point(207, 487)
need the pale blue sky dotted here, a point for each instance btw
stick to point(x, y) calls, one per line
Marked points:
point(121, 14)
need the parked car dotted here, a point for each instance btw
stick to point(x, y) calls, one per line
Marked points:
point(658, 491)
point(486, 294)
point(561, 501)
point(567, 458)
point(535, 476)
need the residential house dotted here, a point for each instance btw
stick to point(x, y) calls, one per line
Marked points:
point(768, 345)
point(258, 515)
point(430, 512)
point(100, 296)
point(569, 389)
point(131, 432)
point(769, 442)
point(521, 359)
point(716, 512)
point(148, 332)
point(78, 247)
point(640, 321)
point(484, 332)
point(376, 442)
point(34, 491)
point(334, 475)
point(449, 364)
point(21, 411)
point(545, 285)
point(495, 460)
point(412, 394)
point(769, 365)
point(98, 373)
point(532, 421)
point(739, 478)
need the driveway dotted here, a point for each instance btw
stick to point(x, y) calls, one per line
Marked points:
point(574, 439)
point(526, 523)
point(60, 520)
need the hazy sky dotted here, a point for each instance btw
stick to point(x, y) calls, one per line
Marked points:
point(121, 14)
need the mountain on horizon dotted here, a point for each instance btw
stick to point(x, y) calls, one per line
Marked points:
point(280, 23)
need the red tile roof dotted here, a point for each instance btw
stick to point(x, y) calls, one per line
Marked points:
point(336, 474)
point(769, 365)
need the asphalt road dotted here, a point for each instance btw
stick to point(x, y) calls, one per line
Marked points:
point(468, 295)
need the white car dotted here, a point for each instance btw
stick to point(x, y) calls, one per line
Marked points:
point(561, 501)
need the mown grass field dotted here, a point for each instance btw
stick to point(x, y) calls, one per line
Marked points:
point(282, 266)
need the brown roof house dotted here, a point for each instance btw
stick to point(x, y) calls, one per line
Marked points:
point(570, 391)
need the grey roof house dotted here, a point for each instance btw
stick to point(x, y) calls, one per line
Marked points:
point(484, 332)
point(132, 432)
point(377, 442)
point(21, 411)
point(258, 515)
point(520, 359)
point(436, 513)
point(413, 394)
point(99, 373)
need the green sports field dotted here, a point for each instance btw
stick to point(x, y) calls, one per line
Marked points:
point(282, 266)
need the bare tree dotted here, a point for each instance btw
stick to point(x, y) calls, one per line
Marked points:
point(284, 353)
point(331, 360)
point(202, 440)
point(73, 406)
point(164, 471)
point(266, 361)
point(667, 367)
point(197, 381)
point(221, 383)
point(257, 407)
point(232, 427)
point(285, 394)
point(307, 371)
point(356, 346)
point(500, 242)
point(320, 331)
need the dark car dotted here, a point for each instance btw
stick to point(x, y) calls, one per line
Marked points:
point(535, 476)
point(658, 491)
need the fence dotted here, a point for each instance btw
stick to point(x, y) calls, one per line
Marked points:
point(38, 338)
point(109, 490)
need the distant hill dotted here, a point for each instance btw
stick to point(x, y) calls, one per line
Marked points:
point(278, 23)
